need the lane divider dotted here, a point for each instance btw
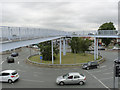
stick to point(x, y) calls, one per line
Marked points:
point(98, 80)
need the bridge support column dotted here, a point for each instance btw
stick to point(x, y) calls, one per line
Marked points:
point(94, 48)
point(52, 52)
point(97, 49)
point(60, 50)
point(64, 47)
point(19, 34)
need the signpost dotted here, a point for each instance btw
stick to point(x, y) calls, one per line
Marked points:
point(41, 58)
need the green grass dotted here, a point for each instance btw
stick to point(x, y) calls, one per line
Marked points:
point(70, 58)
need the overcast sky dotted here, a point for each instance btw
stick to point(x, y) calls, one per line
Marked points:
point(63, 15)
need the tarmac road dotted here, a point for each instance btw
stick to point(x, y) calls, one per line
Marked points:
point(38, 77)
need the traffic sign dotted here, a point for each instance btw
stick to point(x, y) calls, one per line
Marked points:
point(41, 57)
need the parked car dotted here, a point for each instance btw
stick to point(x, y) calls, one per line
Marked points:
point(91, 33)
point(116, 48)
point(71, 78)
point(10, 59)
point(15, 54)
point(90, 65)
point(101, 48)
point(9, 76)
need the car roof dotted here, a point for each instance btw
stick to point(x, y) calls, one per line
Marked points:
point(73, 73)
point(8, 71)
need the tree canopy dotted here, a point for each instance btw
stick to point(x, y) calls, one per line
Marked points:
point(79, 44)
point(107, 26)
point(46, 52)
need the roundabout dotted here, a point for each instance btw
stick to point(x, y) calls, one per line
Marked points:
point(32, 76)
point(69, 60)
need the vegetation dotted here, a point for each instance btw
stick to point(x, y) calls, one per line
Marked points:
point(107, 26)
point(79, 45)
point(46, 52)
point(70, 58)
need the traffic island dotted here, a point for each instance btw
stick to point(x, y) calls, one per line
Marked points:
point(70, 60)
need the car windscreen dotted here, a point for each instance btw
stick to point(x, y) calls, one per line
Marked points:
point(82, 75)
point(66, 75)
point(85, 64)
point(94, 63)
point(14, 73)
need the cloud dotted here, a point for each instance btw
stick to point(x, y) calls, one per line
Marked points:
point(67, 16)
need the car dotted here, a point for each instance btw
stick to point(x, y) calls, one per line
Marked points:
point(90, 65)
point(9, 76)
point(71, 78)
point(91, 33)
point(10, 59)
point(116, 48)
point(101, 48)
point(35, 46)
point(15, 54)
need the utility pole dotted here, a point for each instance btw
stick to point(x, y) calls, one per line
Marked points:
point(60, 50)
point(94, 48)
point(52, 52)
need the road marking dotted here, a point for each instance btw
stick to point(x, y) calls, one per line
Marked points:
point(37, 72)
point(2, 62)
point(18, 62)
point(98, 80)
point(101, 70)
point(108, 73)
point(102, 66)
point(106, 78)
point(21, 70)
point(31, 80)
point(56, 69)
point(35, 75)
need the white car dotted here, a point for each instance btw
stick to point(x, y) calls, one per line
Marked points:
point(8, 76)
point(116, 48)
point(71, 78)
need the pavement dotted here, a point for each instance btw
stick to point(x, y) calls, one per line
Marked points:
point(38, 77)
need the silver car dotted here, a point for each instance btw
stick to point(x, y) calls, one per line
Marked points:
point(71, 78)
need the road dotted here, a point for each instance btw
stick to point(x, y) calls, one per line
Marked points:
point(38, 77)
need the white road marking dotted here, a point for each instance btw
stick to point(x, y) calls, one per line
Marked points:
point(35, 75)
point(106, 78)
point(98, 80)
point(2, 62)
point(108, 73)
point(18, 62)
point(103, 66)
point(56, 69)
point(37, 72)
point(21, 70)
point(100, 70)
point(31, 80)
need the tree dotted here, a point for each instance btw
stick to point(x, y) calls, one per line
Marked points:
point(74, 43)
point(79, 45)
point(107, 26)
point(46, 52)
point(84, 45)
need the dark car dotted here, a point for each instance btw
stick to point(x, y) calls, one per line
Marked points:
point(90, 65)
point(14, 54)
point(10, 59)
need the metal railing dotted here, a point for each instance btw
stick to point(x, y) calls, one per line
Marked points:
point(25, 33)
point(107, 32)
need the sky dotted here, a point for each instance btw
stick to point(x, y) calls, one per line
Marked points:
point(67, 15)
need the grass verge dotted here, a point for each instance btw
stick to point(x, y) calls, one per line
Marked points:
point(69, 58)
